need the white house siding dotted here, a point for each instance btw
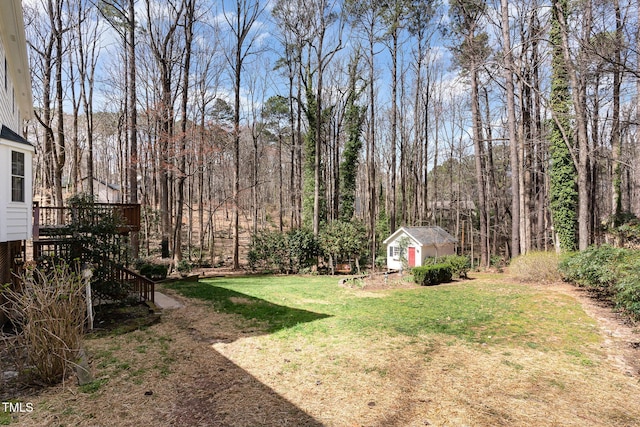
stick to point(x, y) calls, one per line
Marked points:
point(17, 225)
point(15, 105)
point(444, 250)
point(393, 264)
point(9, 111)
point(15, 97)
point(15, 217)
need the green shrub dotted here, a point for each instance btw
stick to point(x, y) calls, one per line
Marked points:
point(460, 265)
point(614, 272)
point(289, 252)
point(432, 274)
point(340, 241)
point(595, 267)
point(184, 266)
point(536, 267)
point(303, 249)
point(627, 289)
point(627, 295)
point(154, 271)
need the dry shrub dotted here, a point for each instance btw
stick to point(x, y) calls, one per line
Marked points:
point(536, 267)
point(49, 313)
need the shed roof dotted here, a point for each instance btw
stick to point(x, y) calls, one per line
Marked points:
point(432, 235)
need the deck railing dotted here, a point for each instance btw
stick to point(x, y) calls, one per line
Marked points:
point(52, 220)
point(139, 286)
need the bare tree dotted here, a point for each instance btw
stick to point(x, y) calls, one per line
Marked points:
point(240, 21)
point(189, 17)
point(162, 23)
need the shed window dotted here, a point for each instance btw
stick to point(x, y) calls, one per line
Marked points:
point(17, 176)
point(394, 252)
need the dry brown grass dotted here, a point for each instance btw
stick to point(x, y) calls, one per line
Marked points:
point(199, 367)
point(536, 267)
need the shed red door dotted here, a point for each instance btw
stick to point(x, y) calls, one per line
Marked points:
point(412, 256)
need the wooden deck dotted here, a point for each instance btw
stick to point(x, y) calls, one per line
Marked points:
point(52, 238)
point(51, 221)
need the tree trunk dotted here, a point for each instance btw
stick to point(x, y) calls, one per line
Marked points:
point(511, 122)
point(182, 173)
point(479, 164)
point(133, 122)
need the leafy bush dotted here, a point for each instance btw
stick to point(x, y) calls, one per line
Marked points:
point(614, 272)
point(460, 265)
point(627, 294)
point(184, 266)
point(154, 271)
point(595, 267)
point(289, 252)
point(432, 274)
point(536, 267)
point(342, 240)
point(303, 249)
point(269, 250)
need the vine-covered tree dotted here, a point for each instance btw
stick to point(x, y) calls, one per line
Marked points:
point(354, 117)
point(562, 180)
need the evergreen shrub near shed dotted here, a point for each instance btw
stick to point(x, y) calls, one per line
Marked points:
point(460, 264)
point(433, 274)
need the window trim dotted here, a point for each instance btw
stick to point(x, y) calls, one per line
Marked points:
point(18, 166)
point(394, 252)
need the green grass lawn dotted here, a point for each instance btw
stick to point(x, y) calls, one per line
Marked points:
point(479, 352)
point(477, 311)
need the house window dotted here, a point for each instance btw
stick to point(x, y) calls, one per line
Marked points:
point(17, 176)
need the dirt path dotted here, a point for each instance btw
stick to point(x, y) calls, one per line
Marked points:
point(621, 335)
point(166, 375)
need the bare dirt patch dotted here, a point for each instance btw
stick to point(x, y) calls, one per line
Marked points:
point(240, 300)
point(380, 281)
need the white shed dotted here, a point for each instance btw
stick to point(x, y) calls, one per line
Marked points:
point(420, 243)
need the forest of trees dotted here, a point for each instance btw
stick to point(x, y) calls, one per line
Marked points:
point(513, 125)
